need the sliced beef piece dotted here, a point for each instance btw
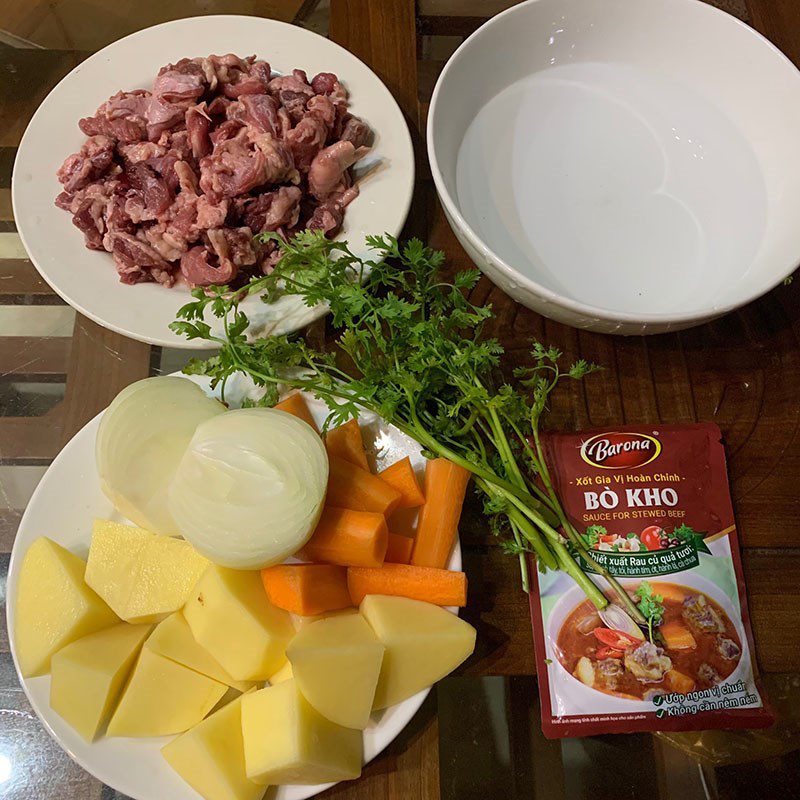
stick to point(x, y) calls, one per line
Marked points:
point(272, 210)
point(89, 220)
point(707, 675)
point(233, 168)
point(701, 615)
point(136, 260)
point(728, 649)
point(328, 84)
point(327, 217)
point(305, 140)
point(201, 267)
point(261, 112)
point(252, 80)
point(235, 244)
point(151, 187)
point(181, 83)
point(647, 663)
point(162, 116)
point(279, 162)
point(323, 109)
point(329, 165)
point(355, 131)
point(93, 161)
point(122, 117)
point(141, 151)
point(198, 127)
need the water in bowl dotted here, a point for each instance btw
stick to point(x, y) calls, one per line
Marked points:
point(614, 187)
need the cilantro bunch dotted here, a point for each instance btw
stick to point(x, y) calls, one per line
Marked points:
point(411, 348)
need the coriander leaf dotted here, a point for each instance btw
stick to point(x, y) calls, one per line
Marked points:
point(689, 535)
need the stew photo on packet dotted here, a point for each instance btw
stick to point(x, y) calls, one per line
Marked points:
point(652, 507)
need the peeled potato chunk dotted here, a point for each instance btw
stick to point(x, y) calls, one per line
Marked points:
point(336, 663)
point(163, 697)
point(141, 575)
point(424, 643)
point(173, 639)
point(231, 617)
point(88, 676)
point(287, 741)
point(54, 606)
point(210, 757)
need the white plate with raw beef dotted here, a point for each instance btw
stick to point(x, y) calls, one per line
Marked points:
point(169, 181)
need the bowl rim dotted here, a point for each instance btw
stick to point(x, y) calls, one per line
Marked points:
point(528, 284)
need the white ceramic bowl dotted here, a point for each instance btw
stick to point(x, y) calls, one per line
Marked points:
point(87, 279)
point(626, 166)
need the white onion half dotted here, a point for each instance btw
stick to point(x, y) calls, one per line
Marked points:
point(250, 487)
point(141, 439)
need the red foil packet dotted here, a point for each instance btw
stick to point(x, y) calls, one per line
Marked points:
point(650, 503)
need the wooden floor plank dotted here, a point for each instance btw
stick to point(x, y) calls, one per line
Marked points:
point(383, 34)
point(33, 358)
point(779, 21)
point(26, 439)
point(18, 277)
point(101, 364)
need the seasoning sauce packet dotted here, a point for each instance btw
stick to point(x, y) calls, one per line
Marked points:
point(651, 505)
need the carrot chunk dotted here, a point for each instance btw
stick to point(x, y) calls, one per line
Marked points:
point(399, 549)
point(677, 636)
point(676, 681)
point(306, 589)
point(351, 487)
point(438, 586)
point(348, 538)
point(401, 475)
point(295, 405)
point(437, 529)
point(346, 442)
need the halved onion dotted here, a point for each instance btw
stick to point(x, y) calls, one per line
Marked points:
point(250, 487)
point(142, 438)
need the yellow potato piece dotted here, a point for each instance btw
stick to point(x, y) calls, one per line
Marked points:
point(230, 616)
point(283, 674)
point(210, 757)
point(424, 643)
point(88, 676)
point(336, 663)
point(163, 697)
point(173, 639)
point(287, 741)
point(54, 606)
point(141, 575)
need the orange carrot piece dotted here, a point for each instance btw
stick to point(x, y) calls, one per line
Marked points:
point(401, 475)
point(346, 442)
point(306, 589)
point(348, 538)
point(295, 405)
point(438, 586)
point(351, 487)
point(678, 682)
point(437, 529)
point(399, 549)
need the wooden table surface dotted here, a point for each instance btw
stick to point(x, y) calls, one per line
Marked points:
point(478, 734)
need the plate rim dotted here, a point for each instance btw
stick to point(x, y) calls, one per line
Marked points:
point(168, 339)
point(410, 706)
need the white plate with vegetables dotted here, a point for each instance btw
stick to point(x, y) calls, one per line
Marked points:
point(63, 508)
